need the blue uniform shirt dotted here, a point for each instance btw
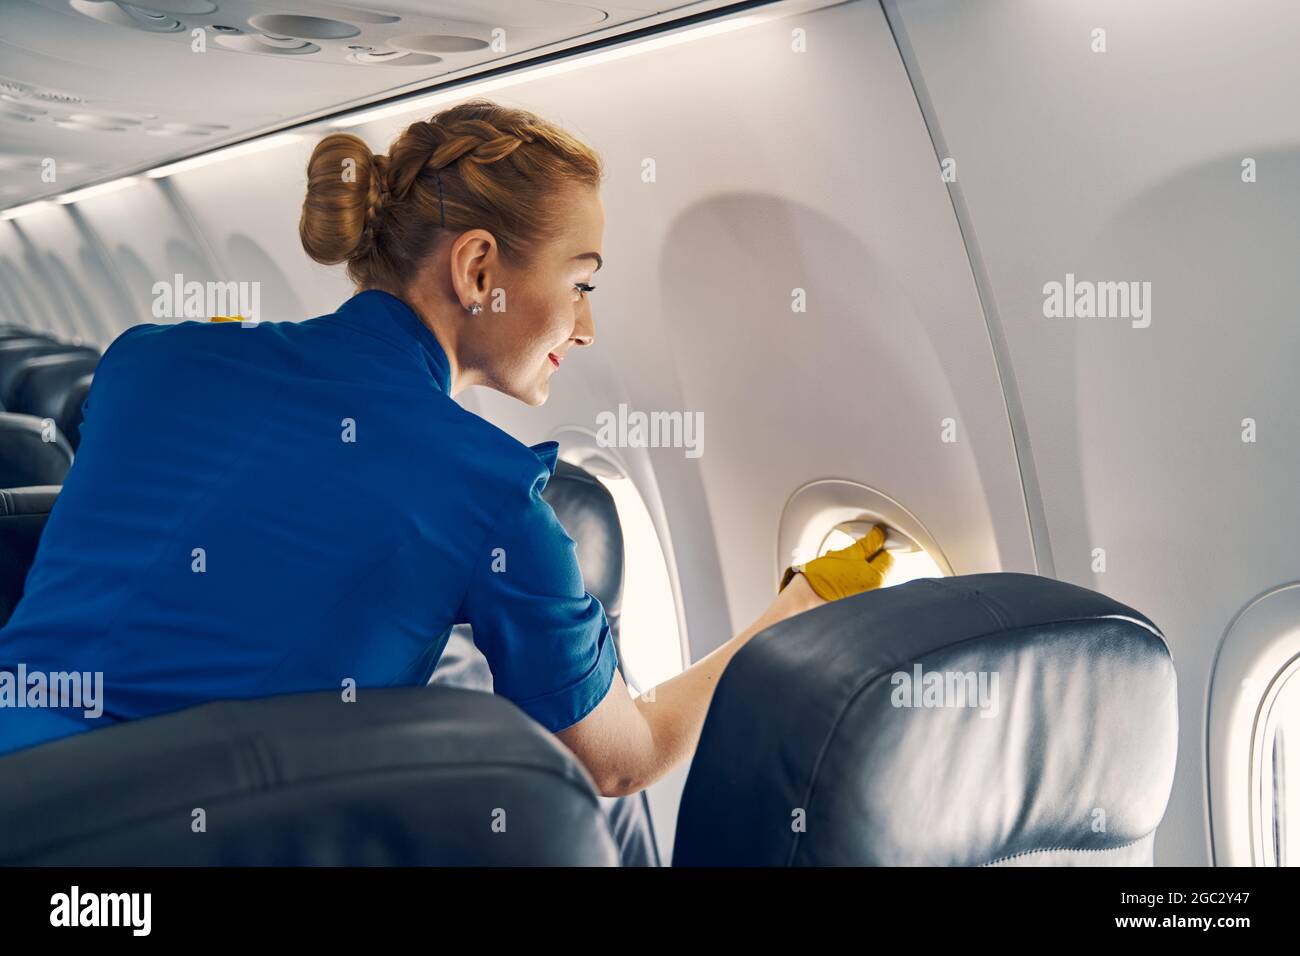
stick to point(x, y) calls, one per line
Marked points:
point(279, 508)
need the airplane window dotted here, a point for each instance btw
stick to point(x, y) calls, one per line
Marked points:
point(1280, 805)
point(648, 634)
point(910, 560)
point(831, 513)
point(1254, 735)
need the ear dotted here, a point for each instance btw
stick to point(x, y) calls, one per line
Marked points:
point(473, 261)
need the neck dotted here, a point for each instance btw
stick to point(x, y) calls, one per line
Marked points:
point(446, 330)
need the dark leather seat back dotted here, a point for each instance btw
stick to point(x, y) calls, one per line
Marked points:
point(23, 512)
point(586, 510)
point(15, 348)
point(70, 417)
point(14, 363)
point(26, 458)
point(403, 776)
point(856, 733)
point(41, 384)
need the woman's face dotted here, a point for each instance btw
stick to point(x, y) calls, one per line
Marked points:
point(531, 317)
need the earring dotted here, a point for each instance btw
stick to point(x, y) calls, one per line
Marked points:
point(475, 309)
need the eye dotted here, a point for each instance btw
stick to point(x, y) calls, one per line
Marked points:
point(583, 288)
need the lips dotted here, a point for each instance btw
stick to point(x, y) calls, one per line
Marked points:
point(555, 359)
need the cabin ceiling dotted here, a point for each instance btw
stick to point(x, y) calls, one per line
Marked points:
point(106, 88)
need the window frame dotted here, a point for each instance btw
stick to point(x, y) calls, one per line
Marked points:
point(1259, 651)
point(580, 446)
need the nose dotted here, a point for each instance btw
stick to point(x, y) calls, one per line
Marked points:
point(584, 331)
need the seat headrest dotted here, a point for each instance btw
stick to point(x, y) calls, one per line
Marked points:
point(40, 384)
point(587, 512)
point(26, 458)
point(973, 720)
point(14, 360)
point(70, 417)
point(402, 776)
point(22, 519)
point(23, 337)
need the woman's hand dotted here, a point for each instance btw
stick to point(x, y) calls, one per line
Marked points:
point(861, 566)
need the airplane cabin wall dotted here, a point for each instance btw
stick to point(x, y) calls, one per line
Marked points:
point(1127, 166)
point(777, 170)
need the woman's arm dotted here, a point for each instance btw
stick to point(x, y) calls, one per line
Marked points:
point(627, 744)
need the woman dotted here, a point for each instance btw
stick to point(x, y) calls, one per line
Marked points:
point(294, 506)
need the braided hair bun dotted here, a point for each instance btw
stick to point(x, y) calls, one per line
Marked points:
point(346, 192)
point(475, 165)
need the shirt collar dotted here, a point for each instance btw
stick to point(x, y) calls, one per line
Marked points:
point(382, 313)
point(547, 452)
point(373, 304)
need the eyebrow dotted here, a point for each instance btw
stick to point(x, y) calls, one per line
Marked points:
point(592, 255)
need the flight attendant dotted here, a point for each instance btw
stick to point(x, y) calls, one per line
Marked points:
point(292, 505)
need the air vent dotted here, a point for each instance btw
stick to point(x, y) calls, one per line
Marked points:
point(436, 43)
point(127, 15)
point(393, 58)
point(181, 7)
point(272, 46)
point(310, 28)
point(53, 96)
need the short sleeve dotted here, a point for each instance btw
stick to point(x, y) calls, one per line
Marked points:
point(545, 637)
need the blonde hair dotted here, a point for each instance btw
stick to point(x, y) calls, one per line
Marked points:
point(476, 165)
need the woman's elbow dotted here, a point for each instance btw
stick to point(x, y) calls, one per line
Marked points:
point(618, 785)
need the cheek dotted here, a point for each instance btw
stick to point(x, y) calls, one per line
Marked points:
point(551, 322)
point(527, 337)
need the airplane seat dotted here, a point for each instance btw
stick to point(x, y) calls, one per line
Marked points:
point(12, 332)
point(999, 719)
point(586, 511)
point(402, 776)
point(26, 458)
point(16, 347)
point(14, 363)
point(379, 826)
point(41, 384)
point(23, 512)
point(70, 417)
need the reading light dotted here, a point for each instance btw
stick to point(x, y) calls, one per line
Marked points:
point(221, 155)
point(26, 209)
point(100, 190)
